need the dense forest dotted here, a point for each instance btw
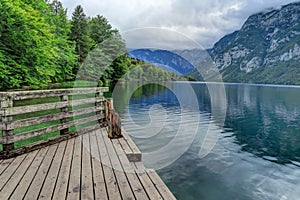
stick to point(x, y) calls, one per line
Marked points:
point(40, 45)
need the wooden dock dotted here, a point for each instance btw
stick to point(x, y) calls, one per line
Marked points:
point(90, 166)
point(86, 165)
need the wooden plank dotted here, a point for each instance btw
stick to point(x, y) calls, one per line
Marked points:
point(52, 117)
point(49, 183)
point(125, 146)
point(30, 174)
point(149, 187)
point(61, 186)
point(98, 176)
point(50, 129)
point(35, 108)
point(9, 171)
point(37, 182)
point(4, 164)
point(86, 170)
point(49, 141)
point(37, 120)
point(48, 106)
point(135, 184)
point(21, 95)
point(122, 156)
point(160, 185)
point(135, 155)
point(110, 179)
point(9, 187)
point(87, 129)
point(131, 144)
point(131, 156)
point(75, 175)
point(123, 184)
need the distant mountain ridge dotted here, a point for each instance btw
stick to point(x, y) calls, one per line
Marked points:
point(265, 50)
point(164, 59)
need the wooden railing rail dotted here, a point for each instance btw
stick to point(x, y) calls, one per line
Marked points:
point(113, 120)
point(28, 116)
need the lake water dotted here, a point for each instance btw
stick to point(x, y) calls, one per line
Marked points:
point(257, 151)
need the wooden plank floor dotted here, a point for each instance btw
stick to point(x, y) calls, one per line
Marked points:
point(90, 166)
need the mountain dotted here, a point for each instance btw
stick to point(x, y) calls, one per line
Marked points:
point(265, 50)
point(164, 59)
point(202, 62)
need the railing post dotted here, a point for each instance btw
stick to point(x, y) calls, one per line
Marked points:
point(109, 116)
point(7, 134)
point(113, 120)
point(64, 110)
point(99, 106)
point(118, 125)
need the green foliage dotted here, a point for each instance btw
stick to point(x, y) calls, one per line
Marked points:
point(79, 34)
point(65, 49)
point(97, 65)
point(27, 51)
point(134, 70)
point(34, 46)
point(39, 46)
point(100, 30)
point(121, 66)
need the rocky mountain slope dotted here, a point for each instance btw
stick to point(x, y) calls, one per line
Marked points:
point(265, 50)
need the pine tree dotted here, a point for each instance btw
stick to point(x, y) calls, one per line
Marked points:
point(100, 30)
point(98, 65)
point(79, 34)
point(66, 49)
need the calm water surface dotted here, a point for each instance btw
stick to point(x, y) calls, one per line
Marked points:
point(257, 155)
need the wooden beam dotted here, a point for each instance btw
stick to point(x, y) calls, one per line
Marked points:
point(52, 117)
point(48, 106)
point(21, 95)
point(50, 129)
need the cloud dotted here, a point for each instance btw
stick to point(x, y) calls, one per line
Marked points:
point(158, 38)
point(205, 21)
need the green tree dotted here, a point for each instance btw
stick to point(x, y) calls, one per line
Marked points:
point(120, 67)
point(27, 54)
point(100, 30)
point(79, 34)
point(65, 48)
point(99, 63)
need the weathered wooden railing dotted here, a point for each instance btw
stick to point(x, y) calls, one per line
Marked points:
point(113, 120)
point(31, 119)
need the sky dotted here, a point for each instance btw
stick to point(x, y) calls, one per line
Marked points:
point(204, 21)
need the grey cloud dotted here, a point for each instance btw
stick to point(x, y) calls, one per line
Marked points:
point(205, 21)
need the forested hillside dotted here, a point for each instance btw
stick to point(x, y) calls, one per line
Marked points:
point(40, 45)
